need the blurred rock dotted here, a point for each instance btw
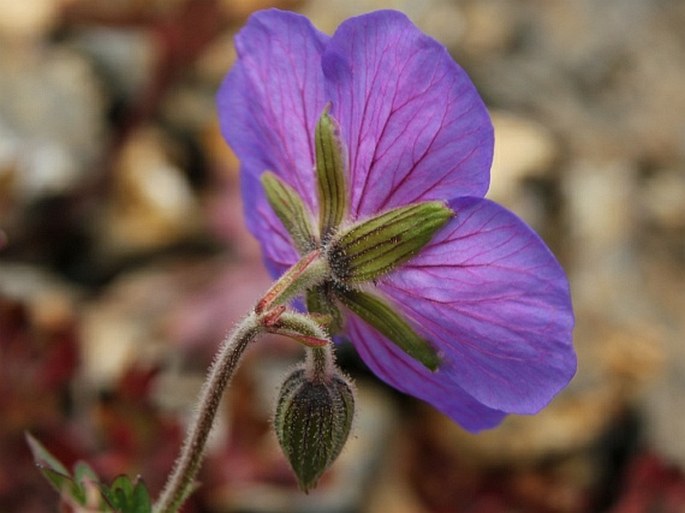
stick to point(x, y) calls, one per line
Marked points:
point(124, 57)
point(152, 204)
point(489, 27)
point(190, 109)
point(49, 301)
point(124, 326)
point(664, 404)
point(392, 489)
point(442, 19)
point(524, 150)
point(663, 198)
point(602, 75)
point(28, 20)
point(121, 328)
point(190, 106)
point(105, 10)
point(663, 401)
point(601, 197)
point(155, 315)
point(217, 59)
point(51, 121)
point(238, 10)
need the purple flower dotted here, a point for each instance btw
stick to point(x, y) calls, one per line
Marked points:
point(485, 291)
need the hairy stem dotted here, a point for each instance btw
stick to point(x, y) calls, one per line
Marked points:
point(320, 363)
point(180, 481)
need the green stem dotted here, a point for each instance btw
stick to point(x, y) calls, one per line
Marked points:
point(320, 364)
point(180, 482)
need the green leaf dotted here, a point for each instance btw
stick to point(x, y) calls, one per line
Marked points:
point(125, 496)
point(43, 457)
point(83, 472)
point(381, 316)
point(55, 472)
point(291, 210)
point(75, 487)
point(376, 246)
point(64, 484)
point(141, 499)
point(330, 174)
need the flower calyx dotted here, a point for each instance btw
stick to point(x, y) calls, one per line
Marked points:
point(339, 260)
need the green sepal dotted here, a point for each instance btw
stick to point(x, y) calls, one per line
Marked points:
point(320, 301)
point(376, 246)
point(379, 314)
point(330, 174)
point(307, 272)
point(301, 328)
point(291, 210)
point(312, 422)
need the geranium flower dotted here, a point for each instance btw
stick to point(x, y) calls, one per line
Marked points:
point(485, 291)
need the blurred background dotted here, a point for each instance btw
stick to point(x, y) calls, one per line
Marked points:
point(124, 259)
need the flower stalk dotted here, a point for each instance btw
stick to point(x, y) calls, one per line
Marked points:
point(181, 481)
point(269, 315)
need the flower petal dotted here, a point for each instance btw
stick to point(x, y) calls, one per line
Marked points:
point(402, 372)
point(413, 122)
point(268, 106)
point(494, 301)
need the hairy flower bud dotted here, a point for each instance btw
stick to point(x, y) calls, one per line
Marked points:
point(312, 422)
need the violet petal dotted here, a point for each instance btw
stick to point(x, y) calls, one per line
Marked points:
point(269, 105)
point(493, 299)
point(414, 124)
point(402, 372)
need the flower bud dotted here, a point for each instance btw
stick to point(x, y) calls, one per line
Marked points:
point(312, 422)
